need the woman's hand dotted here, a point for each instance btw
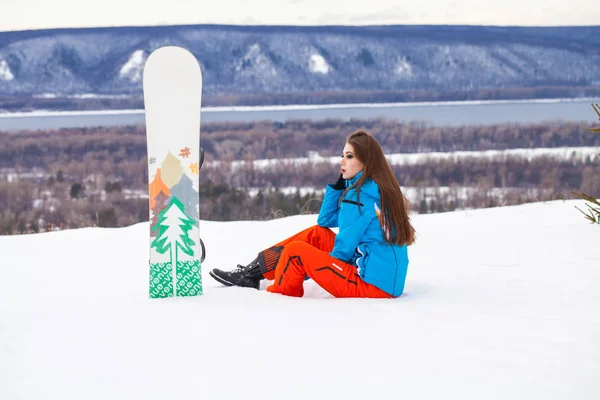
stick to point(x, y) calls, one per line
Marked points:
point(340, 184)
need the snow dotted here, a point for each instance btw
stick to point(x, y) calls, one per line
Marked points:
point(255, 62)
point(318, 65)
point(13, 176)
point(581, 154)
point(499, 303)
point(45, 96)
point(5, 72)
point(288, 190)
point(404, 68)
point(417, 193)
point(134, 66)
point(558, 153)
point(253, 54)
point(97, 96)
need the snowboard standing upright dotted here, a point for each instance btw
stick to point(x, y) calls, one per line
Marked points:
point(172, 86)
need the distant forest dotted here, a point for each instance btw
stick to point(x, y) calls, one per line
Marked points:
point(98, 176)
point(122, 150)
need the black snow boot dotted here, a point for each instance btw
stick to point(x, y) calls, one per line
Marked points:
point(244, 276)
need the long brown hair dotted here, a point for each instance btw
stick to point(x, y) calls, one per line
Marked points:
point(394, 205)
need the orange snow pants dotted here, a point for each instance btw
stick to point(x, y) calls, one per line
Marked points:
point(307, 254)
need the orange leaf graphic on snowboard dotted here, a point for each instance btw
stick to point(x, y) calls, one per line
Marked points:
point(185, 152)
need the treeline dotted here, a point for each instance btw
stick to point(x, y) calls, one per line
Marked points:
point(31, 203)
point(28, 207)
point(511, 172)
point(117, 102)
point(57, 203)
point(122, 150)
point(98, 176)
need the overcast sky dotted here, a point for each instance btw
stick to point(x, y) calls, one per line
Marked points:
point(36, 14)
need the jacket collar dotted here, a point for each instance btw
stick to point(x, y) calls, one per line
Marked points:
point(369, 186)
point(350, 182)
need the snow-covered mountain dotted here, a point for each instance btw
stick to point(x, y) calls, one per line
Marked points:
point(293, 59)
point(499, 303)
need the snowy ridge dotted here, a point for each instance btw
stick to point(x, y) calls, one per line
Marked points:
point(134, 67)
point(560, 153)
point(445, 60)
point(256, 63)
point(5, 72)
point(318, 65)
point(404, 68)
point(499, 304)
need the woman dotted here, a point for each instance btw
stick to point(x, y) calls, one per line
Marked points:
point(367, 258)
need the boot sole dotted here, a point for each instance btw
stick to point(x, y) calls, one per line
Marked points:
point(220, 280)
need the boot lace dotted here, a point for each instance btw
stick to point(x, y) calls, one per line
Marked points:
point(239, 268)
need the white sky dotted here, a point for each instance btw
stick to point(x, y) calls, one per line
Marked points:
point(37, 14)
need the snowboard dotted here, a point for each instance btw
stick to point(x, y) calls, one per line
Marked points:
point(172, 90)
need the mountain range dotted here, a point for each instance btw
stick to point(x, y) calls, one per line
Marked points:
point(250, 60)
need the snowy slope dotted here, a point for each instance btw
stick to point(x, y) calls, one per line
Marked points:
point(500, 304)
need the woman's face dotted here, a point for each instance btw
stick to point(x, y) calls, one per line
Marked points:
point(349, 163)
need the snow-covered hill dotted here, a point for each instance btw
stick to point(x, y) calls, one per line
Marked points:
point(500, 303)
point(305, 59)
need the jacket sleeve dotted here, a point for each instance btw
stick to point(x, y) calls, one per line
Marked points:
point(328, 215)
point(353, 225)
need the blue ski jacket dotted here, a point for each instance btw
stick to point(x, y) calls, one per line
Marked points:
point(360, 240)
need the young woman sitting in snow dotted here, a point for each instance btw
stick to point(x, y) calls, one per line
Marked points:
point(367, 258)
